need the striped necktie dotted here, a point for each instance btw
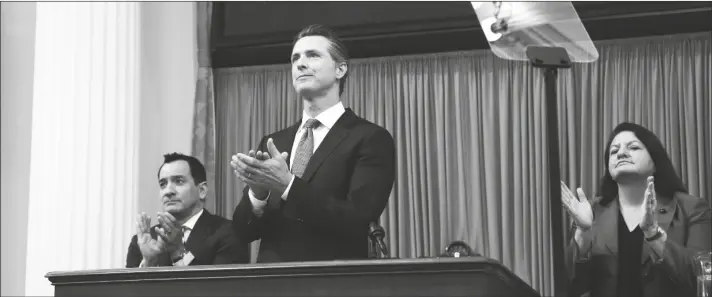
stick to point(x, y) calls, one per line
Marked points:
point(305, 149)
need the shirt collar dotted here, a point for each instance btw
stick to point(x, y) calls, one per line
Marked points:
point(327, 117)
point(190, 223)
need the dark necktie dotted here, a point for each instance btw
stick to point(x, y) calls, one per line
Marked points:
point(305, 149)
point(185, 233)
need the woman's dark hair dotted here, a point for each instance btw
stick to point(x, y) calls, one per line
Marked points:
point(666, 180)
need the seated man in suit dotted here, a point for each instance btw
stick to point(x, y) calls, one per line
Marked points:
point(187, 234)
point(342, 167)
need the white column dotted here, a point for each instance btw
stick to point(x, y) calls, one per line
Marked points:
point(83, 171)
point(17, 20)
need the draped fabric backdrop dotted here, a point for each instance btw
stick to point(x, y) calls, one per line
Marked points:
point(471, 138)
point(203, 144)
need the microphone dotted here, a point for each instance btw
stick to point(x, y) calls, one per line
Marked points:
point(377, 233)
point(459, 249)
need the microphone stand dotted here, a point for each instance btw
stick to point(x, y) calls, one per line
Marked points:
point(550, 59)
point(378, 246)
point(549, 35)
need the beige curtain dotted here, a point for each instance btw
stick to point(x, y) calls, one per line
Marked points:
point(203, 143)
point(471, 139)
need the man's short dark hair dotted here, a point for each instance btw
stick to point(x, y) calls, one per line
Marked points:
point(337, 50)
point(197, 170)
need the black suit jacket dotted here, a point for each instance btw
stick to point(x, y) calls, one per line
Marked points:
point(211, 242)
point(685, 219)
point(345, 186)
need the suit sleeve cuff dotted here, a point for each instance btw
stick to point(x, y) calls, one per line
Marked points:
point(258, 206)
point(187, 258)
point(286, 192)
point(583, 245)
point(657, 248)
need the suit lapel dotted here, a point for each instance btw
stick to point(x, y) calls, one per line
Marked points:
point(608, 227)
point(666, 211)
point(284, 143)
point(200, 232)
point(337, 133)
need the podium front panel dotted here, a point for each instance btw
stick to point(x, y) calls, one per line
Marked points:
point(384, 277)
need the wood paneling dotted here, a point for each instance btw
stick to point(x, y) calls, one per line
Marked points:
point(260, 33)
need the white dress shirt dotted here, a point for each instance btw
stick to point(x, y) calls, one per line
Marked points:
point(188, 228)
point(327, 118)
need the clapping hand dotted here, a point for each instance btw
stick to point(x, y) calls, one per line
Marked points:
point(579, 208)
point(170, 232)
point(262, 173)
point(237, 168)
point(150, 247)
point(650, 219)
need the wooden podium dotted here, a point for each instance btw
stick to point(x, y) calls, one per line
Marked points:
point(472, 276)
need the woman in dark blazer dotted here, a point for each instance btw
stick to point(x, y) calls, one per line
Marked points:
point(638, 237)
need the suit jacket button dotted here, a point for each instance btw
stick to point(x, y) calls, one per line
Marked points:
point(662, 210)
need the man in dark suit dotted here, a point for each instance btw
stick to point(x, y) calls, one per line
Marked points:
point(313, 188)
point(187, 234)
